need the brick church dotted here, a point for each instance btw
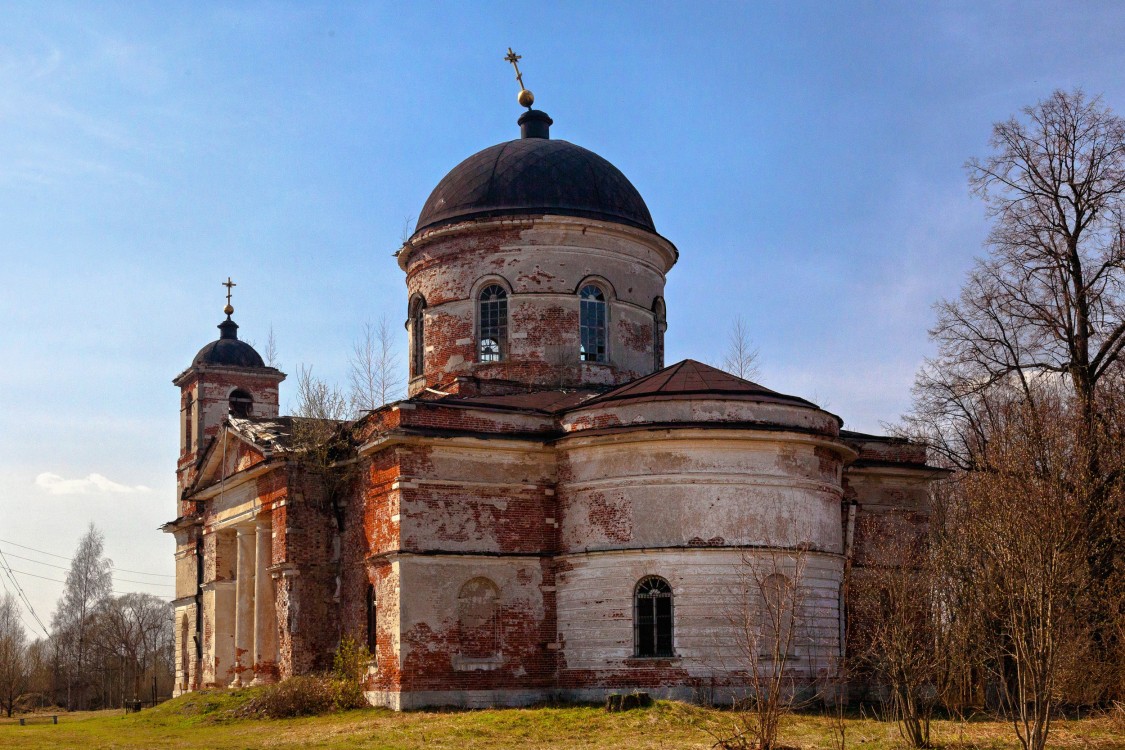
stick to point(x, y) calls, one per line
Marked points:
point(552, 512)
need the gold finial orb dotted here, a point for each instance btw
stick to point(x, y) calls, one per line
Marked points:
point(228, 309)
point(525, 98)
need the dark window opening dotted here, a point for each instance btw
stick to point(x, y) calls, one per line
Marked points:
point(188, 424)
point(653, 617)
point(659, 326)
point(492, 319)
point(417, 336)
point(592, 324)
point(372, 620)
point(241, 403)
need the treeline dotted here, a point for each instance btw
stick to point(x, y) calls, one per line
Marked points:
point(104, 650)
point(1015, 601)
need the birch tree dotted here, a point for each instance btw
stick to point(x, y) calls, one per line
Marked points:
point(88, 582)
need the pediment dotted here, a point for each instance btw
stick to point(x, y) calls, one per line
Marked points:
point(228, 455)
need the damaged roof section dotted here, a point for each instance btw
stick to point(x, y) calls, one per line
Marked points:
point(279, 434)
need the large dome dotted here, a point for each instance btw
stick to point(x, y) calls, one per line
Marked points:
point(535, 175)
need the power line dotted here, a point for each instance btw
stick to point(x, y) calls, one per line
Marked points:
point(56, 580)
point(71, 559)
point(22, 595)
point(28, 559)
point(19, 609)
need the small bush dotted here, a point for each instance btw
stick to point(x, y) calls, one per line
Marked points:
point(351, 660)
point(306, 695)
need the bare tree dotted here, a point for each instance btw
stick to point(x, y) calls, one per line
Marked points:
point(1050, 298)
point(272, 359)
point(14, 666)
point(1045, 307)
point(132, 632)
point(374, 373)
point(741, 356)
point(321, 436)
point(88, 582)
point(318, 399)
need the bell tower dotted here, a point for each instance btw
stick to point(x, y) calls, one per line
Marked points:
point(226, 378)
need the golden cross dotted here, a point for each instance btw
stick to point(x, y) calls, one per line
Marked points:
point(228, 284)
point(514, 59)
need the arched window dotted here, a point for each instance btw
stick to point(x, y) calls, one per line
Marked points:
point(372, 619)
point(777, 616)
point(591, 320)
point(492, 323)
point(659, 326)
point(417, 335)
point(478, 617)
point(241, 403)
point(652, 617)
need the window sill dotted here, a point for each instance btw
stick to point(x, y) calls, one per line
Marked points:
point(641, 661)
point(476, 664)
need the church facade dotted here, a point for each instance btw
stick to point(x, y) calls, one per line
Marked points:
point(551, 512)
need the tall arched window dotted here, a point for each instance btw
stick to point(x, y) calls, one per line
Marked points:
point(478, 617)
point(241, 403)
point(372, 619)
point(659, 326)
point(492, 323)
point(417, 335)
point(591, 319)
point(652, 617)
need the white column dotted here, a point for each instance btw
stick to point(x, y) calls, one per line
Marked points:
point(244, 605)
point(265, 627)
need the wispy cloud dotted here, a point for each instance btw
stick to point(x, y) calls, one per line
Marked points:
point(91, 484)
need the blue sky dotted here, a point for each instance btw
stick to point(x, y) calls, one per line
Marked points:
point(806, 158)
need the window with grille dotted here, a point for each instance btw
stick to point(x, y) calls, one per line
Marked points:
point(652, 619)
point(492, 323)
point(592, 324)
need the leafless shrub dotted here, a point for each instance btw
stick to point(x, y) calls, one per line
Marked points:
point(892, 610)
point(304, 695)
point(766, 620)
point(1018, 540)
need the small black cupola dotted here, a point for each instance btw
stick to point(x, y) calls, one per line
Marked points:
point(535, 123)
point(228, 351)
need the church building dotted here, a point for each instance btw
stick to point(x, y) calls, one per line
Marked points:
point(552, 512)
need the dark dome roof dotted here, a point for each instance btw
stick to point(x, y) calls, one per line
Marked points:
point(228, 351)
point(535, 175)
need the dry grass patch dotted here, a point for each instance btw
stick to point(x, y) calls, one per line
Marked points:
point(210, 719)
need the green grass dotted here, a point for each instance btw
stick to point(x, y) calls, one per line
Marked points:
point(206, 720)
